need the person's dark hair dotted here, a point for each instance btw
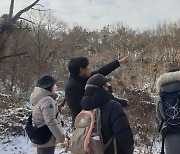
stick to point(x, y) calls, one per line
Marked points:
point(174, 70)
point(76, 63)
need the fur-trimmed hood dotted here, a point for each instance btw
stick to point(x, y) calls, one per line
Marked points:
point(167, 78)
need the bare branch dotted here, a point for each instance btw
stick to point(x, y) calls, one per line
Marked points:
point(40, 9)
point(26, 20)
point(40, 5)
point(14, 55)
point(17, 16)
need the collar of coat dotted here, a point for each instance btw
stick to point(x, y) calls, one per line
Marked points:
point(40, 93)
point(82, 79)
point(167, 78)
point(95, 97)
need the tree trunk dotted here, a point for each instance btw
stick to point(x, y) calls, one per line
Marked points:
point(11, 9)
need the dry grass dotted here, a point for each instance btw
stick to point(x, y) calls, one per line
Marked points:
point(13, 116)
point(141, 113)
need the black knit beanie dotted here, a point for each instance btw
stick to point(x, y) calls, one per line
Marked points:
point(98, 80)
point(46, 82)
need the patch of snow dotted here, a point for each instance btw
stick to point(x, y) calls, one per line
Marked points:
point(4, 95)
point(21, 145)
point(155, 149)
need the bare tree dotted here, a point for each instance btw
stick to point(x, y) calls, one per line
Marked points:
point(8, 26)
point(45, 35)
point(11, 9)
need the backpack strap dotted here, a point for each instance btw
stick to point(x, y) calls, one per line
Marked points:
point(109, 142)
point(162, 147)
point(98, 120)
point(160, 126)
point(88, 136)
point(163, 137)
point(115, 145)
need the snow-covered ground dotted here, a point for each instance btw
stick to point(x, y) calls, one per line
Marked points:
point(21, 145)
point(16, 145)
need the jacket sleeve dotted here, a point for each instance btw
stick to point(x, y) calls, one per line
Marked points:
point(123, 102)
point(121, 129)
point(49, 113)
point(73, 97)
point(105, 70)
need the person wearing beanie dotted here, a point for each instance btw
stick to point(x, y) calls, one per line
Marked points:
point(45, 111)
point(80, 72)
point(168, 110)
point(114, 121)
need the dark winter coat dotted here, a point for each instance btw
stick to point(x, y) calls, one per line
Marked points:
point(75, 87)
point(168, 83)
point(113, 119)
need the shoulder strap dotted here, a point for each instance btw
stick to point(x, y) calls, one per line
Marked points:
point(114, 143)
point(162, 148)
point(160, 126)
point(98, 120)
point(109, 142)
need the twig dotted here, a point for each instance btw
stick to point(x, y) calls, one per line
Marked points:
point(39, 9)
point(15, 55)
point(40, 5)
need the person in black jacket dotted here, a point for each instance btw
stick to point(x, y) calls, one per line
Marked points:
point(79, 74)
point(114, 121)
point(168, 110)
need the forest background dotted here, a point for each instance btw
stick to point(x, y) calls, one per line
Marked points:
point(44, 44)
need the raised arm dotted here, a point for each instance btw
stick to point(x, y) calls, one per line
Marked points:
point(108, 68)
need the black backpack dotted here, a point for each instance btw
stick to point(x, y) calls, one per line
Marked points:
point(171, 110)
point(37, 135)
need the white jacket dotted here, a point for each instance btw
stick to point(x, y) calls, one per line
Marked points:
point(45, 111)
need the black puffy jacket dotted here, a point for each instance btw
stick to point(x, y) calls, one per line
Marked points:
point(75, 87)
point(113, 119)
